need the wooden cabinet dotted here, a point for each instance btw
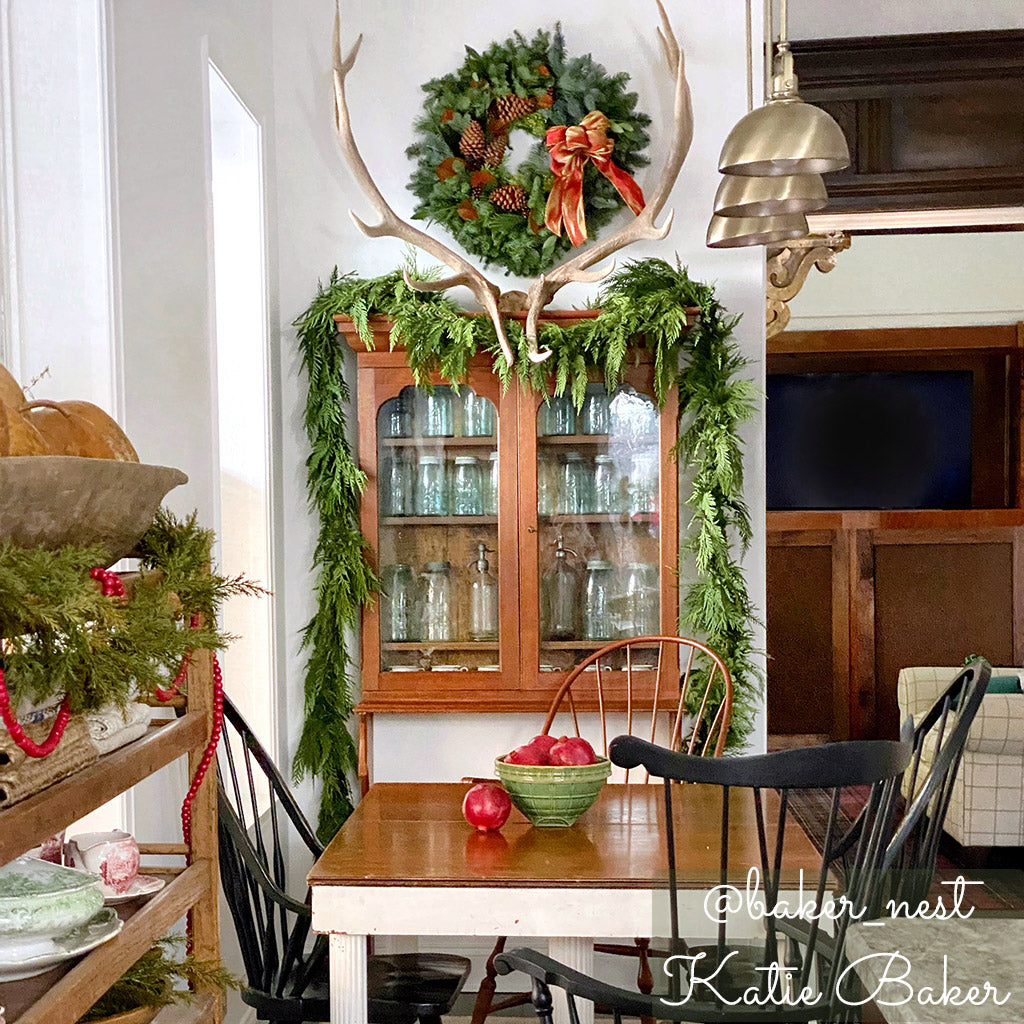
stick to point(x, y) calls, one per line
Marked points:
point(853, 597)
point(628, 533)
point(856, 595)
point(63, 994)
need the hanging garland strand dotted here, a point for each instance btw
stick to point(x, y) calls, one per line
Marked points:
point(643, 305)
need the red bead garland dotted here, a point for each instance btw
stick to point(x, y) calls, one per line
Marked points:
point(14, 727)
point(112, 586)
point(172, 691)
point(208, 754)
point(111, 583)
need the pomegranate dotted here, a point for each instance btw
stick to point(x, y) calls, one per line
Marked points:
point(486, 806)
point(529, 753)
point(544, 742)
point(571, 750)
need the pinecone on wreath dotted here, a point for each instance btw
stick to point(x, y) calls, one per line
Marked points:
point(495, 151)
point(472, 143)
point(511, 198)
point(510, 107)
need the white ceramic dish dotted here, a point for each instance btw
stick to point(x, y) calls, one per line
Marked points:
point(143, 885)
point(40, 900)
point(26, 960)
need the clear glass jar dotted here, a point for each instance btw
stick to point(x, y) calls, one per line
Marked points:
point(558, 416)
point(547, 485)
point(597, 592)
point(431, 486)
point(490, 485)
point(478, 419)
point(606, 485)
point(397, 605)
point(594, 416)
point(467, 493)
point(436, 412)
point(573, 485)
point(397, 417)
point(436, 611)
point(641, 601)
point(396, 486)
point(643, 484)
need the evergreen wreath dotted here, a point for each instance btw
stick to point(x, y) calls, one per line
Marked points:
point(464, 179)
point(643, 304)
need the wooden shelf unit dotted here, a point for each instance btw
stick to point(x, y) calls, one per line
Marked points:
point(62, 994)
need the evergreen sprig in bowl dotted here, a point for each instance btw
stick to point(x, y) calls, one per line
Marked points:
point(40, 900)
point(553, 796)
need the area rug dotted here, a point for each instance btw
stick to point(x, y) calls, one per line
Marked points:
point(1002, 880)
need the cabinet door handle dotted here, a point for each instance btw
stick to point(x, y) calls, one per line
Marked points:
point(531, 529)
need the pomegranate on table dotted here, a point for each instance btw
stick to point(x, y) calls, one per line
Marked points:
point(486, 806)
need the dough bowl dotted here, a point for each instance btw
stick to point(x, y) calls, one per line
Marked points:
point(49, 501)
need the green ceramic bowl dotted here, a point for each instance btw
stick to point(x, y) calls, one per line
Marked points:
point(553, 796)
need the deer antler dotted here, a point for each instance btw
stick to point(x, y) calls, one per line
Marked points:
point(391, 224)
point(543, 290)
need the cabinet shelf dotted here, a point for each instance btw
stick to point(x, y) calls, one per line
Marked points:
point(41, 815)
point(489, 441)
point(67, 997)
point(596, 441)
point(620, 518)
point(439, 521)
point(581, 645)
point(442, 645)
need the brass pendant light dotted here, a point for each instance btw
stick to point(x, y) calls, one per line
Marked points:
point(760, 196)
point(733, 232)
point(773, 160)
point(786, 135)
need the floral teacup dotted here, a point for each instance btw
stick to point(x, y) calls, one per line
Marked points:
point(114, 856)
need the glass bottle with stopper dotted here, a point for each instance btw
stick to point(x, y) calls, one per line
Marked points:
point(561, 597)
point(483, 598)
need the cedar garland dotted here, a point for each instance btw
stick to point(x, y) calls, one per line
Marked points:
point(643, 305)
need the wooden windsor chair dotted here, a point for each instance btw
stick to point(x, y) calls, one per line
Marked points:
point(645, 684)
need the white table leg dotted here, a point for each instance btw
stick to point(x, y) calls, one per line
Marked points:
point(348, 979)
point(579, 955)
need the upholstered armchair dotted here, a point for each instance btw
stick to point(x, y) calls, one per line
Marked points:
point(986, 807)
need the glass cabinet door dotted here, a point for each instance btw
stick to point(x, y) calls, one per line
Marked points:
point(601, 555)
point(443, 606)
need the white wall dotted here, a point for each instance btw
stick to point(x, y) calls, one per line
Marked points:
point(948, 280)
point(159, 74)
point(403, 46)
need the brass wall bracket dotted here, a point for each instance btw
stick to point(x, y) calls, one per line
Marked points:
point(788, 267)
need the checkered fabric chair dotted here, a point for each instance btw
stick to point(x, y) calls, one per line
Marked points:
point(987, 804)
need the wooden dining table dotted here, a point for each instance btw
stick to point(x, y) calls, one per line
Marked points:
point(407, 864)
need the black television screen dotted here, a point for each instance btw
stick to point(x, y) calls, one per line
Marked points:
point(869, 440)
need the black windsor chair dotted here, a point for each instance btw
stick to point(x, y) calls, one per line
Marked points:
point(722, 982)
point(938, 741)
point(285, 968)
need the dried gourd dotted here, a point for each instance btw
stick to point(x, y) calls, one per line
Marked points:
point(105, 427)
point(65, 432)
point(17, 435)
point(10, 390)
